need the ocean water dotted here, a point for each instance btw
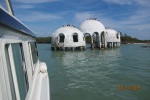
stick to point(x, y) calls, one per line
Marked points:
point(98, 74)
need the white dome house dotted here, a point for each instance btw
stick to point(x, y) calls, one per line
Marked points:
point(67, 37)
point(112, 38)
point(97, 32)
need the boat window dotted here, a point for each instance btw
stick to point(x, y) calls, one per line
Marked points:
point(61, 38)
point(20, 69)
point(9, 70)
point(75, 37)
point(34, 52)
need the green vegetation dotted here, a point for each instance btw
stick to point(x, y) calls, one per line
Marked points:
point(88, 39)
point(128, 39)
point(43, 40)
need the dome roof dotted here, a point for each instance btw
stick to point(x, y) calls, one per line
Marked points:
point(68, 36)
point(112, 35)
point(67, 30)
point(92, 25)
point(111, 31)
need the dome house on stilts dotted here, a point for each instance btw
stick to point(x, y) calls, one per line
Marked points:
point(112, 38)
point(67, 37)
point(97, 32)
point(70, 37)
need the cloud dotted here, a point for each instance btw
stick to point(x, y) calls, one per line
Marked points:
point(121, 2)
point(38, 17)
point(136, 24)
point(129, 2)
point(131, 16)
point(139, 19)
point(24, 6)
point(83, 16)
point(34, 1)
point(142, 2)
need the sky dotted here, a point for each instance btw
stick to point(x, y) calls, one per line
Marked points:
point(131, 17)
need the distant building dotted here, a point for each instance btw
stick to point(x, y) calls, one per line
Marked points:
point(71, 37)
point(96, 30)
point(112, 38)
point(68, 37)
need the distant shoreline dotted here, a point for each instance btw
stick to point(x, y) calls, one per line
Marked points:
point(135, 43)
point(140, 43)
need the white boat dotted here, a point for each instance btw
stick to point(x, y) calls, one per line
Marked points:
point(22, 75)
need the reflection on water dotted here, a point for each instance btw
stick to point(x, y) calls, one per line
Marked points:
point(96, 74)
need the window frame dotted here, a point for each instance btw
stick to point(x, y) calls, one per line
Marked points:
point(7, 53)
point(31, 57)
point(12, 65)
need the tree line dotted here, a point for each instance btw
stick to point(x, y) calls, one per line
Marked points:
point(124, 39)
point(43, 39)
point(128, 39)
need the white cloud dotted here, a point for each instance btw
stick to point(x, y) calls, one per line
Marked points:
point(139, 19)
point(38, 16)
point(121, 2)
point(35, 1)
point(24, 6)
point(129, 2)
point(133, 23)
point(136, 24)
point(143, 2)
point(83, 16)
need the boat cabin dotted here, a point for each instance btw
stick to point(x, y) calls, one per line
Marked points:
point(22, 75)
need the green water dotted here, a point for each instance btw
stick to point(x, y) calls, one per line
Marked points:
point(96, 74)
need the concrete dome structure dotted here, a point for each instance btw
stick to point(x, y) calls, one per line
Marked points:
point(112, 38)
point(96, 30)
point(67, 36)
point(91, 26)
